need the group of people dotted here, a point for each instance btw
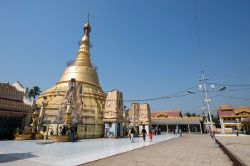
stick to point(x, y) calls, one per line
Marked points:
point(156, 131)
point(177, 131)
point(65, 130)
point(143, 132)
point(26, 130)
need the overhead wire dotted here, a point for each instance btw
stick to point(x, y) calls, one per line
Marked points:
point(230, 90)
point(231, 97)
point(173, 95)
point(198, 34)
point(212, 83)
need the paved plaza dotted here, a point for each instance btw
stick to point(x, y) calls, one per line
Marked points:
point(29, 153)
point(188, 150)
point(238, 146)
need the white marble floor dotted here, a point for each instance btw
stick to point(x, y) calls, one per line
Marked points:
point(68, 154)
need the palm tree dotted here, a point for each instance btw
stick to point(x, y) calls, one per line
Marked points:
point(188, 114)
point(35, 91)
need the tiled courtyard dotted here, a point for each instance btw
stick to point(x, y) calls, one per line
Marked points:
point(188, 150)
point(29, 153)
point(238, 146)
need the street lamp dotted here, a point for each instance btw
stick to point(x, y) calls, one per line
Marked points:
point(222, 88)
point(207, 100)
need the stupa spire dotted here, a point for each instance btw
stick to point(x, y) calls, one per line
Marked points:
point(81, 69)
point(83, 55)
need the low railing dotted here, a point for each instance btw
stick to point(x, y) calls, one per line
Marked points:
point(231, 121)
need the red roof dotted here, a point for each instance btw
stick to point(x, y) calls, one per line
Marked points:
point(166, 113)
point(227, 112)
point(221, 111)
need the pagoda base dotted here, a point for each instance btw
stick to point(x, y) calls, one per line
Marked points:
point(88, 131)
point(25, 136)
point(39, 136)
point(59, 138)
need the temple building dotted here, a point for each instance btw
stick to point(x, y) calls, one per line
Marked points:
point(168, 121)
point(14, 113)
point(77, 99)
point(144, 117)
point(113, 115)
point(20, 87)
point(139, 116)
point(232, 119)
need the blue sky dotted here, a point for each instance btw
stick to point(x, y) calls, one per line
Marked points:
point(145, 49)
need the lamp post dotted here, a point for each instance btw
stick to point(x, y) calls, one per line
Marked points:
point(207, 100)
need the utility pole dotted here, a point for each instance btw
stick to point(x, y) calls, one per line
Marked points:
point(207, 100)
point(205, 114)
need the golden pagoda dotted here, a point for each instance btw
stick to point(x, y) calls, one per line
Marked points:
point(77, 99)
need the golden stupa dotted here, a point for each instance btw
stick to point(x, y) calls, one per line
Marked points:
point(77, 98)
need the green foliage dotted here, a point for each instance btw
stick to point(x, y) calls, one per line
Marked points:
point(216, 120)
point(35, 91)
point(194, 115)
point(188, 114)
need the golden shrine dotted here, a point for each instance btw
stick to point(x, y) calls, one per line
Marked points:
point(139, 116)
point(77, 99)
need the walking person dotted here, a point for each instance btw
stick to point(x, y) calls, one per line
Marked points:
point(72, 135)
point(151, 136)
point(180, 131)
point(144, 132)
point(132, 131)
point(237, 132)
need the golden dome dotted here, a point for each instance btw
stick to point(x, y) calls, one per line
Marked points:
point(79, 86)
point(81, 69)
point(82, 74)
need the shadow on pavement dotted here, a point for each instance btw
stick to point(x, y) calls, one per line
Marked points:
point(4, 158)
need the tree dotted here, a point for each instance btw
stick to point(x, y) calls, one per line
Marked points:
point(194, 115)
point(33, 92)
point(216, 120)
point(188, 114)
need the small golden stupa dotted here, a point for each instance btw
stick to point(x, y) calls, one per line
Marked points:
point(77, 99)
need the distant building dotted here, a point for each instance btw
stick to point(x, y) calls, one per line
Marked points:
point(144, 117)
point(13, 111)
point(20, 87)
point(232, 119)
point(168, 121)
point(139, 116)
point(113, 115)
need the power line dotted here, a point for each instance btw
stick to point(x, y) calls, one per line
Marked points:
point(229, 90)
point(198, 33)
point(228, 84)
point(158, 98)
point(174, 95)
point(231, 97)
